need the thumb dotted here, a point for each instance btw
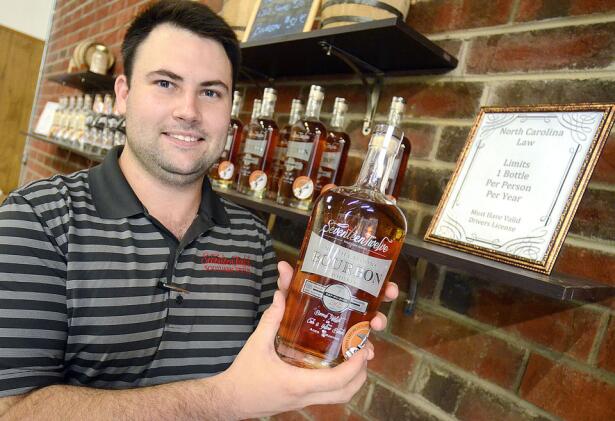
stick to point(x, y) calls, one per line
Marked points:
point(270, 321)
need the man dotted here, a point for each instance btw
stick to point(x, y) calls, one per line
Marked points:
point(105, 280)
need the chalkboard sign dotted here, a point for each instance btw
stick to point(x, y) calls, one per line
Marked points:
point(280, 17)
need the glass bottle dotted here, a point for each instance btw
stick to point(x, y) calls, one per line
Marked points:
point(108, 121)
point(261, 140)
point(303, 154)
point(337, 144)
point(95, 137)
point(256, 109)
point(396, 177)
point(57, 117)
point(222, 172)
point(80, 133)
point(353, 239)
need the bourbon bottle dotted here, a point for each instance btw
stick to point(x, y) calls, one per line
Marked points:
point(303, 154)
point(261, 140)
point(222, 172)
point(337, 144)
point(279, 154)
point(352, 242)
point(398, 172)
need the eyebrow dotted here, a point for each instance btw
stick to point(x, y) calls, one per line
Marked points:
point(176, 77)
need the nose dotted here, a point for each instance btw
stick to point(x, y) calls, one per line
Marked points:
point(187, 109)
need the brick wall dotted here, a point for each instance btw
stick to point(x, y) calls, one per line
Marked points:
point(473, 350)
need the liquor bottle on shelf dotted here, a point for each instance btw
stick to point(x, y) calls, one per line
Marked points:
point(222, 172)
point(66, 119)
point(261, 139)
point(79, 134)
point(352, 242)
point(57, 117)
point(95, 132)
point(110, 120)
point(337, 144)
point(73, 124)
point(396, 177)
point(256, 109)
point(303, 154)
point(279, 154)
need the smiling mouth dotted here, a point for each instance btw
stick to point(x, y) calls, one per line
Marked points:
point(184, 138)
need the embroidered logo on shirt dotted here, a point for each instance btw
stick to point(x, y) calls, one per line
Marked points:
point(220, 263)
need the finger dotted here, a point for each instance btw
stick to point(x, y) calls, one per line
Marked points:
point(269, 324)
point(391, 292)
point(344, 393)
point(286, 275)
point(336, 378)
point(379, 322)
point(370, 351)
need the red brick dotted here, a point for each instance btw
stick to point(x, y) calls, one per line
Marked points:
point(388, 405)
point(447, 15)
point(546, 9)
point(392, 362)
point(476, 352)
point(328, 412)
point(564, 327)
point(480, 405)
point(595, 217)
point(584, 263)
point(289, 416)
point(421, 138)
point(443, 100)
point(575, 47)
point(606, 358)
point(567, 392)
point(605, 167)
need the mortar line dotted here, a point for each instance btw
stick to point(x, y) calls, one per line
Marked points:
point(599, 339)
point(514, 11)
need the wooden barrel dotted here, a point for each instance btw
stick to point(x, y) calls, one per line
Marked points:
point(344, 12)
point(237, 13)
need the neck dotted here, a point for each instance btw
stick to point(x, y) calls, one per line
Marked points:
point(175, 206)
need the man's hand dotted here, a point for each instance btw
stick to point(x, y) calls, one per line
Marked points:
point(262, 384)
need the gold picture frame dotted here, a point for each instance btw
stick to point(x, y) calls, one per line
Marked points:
point(309, 22)
point(519, 180)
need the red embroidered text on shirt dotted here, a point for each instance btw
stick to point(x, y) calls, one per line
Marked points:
point(219, 263)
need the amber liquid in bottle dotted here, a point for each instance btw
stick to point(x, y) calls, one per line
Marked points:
point(260, 142)
point(352, 242)
point(337, 144)
point(304, 151)
point(223, 171)
point(279, 154)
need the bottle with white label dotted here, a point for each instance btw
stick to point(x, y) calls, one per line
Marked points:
point(305, 148)
point(279, 154)
point(352, 242)
point(337, 144)
point(222, 172)
point(396, 177)
point(258, 146)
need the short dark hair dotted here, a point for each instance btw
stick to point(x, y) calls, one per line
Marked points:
point(185, 14)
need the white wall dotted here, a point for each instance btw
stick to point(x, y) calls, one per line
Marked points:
point(28, 16)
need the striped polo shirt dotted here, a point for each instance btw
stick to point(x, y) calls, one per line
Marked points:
point(94, 291)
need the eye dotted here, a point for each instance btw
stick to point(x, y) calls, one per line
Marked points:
point(164, 83)
point(210, 93)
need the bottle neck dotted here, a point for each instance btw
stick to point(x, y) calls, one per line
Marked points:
point(267, 108)
point(338, 121)
point(394, 117)
point(295, 114)
point(312, 110)
point(255, 111)
point(374, 174)
point(236, 108)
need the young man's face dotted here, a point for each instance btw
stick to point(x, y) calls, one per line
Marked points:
point(178, 104)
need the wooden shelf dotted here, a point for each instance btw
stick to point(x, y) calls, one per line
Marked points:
point(382, 47)
point(86, 81)
point(557, 286)
point(96, 157)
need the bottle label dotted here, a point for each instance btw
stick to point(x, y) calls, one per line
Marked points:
point(350, 267)
point(336, 297)
point(255, 147)
point(299, 150)
point(229, 140)
point(258, 180)
point(330, 160)
point(303, 187)
point(226, 169)
point(355, 339)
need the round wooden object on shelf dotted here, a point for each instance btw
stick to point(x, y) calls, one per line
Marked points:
point(237, 13)
point(345, 12)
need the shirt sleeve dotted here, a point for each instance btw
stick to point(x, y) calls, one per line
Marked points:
point(270, 276)
point(33, 319)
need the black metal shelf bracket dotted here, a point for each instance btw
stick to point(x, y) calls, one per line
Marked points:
point(372, 89)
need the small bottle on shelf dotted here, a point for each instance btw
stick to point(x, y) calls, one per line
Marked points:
point(57, 117)
point(398, 172)
point(279, 154)
point(260, 141)
point(305, 148)
point(222, 172)
point(334, 157)
point(352, 242)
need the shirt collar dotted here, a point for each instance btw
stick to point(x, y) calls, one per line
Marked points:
point(115, 199)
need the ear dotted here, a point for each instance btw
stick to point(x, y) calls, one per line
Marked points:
point(121, 93)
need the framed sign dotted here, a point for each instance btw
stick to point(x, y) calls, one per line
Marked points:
point(519, 180)
point(280, 17)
